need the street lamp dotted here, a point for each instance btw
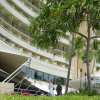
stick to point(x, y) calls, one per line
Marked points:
point(80, 76)
point(85, 79)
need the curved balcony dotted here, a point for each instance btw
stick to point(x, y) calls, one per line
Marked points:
point(25, 8)
point(60, 48)
point(22, 30)
point(26, 32)
point(65, 41)
point(43, 66)
point(22, 43)
point(13, 11)
point(13, 23)
point(57, 58)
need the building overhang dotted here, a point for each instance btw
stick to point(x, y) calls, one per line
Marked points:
point(10, 62)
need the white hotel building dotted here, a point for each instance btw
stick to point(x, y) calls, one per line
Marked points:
point(15, 46)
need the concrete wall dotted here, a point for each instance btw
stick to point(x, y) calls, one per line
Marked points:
point(4, 86)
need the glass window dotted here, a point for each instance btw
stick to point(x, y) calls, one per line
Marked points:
point(51, 77)
point(32, 74)
point(27, 70)
point(45, 77)
point(57, 79)
point(40, 76)
point(24, 70)
point(60, 80)
point(35, 74)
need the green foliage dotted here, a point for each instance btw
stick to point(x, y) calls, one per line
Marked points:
point(94, 92)
point(97, 68)
point(74, 96)
point(95, 47)
point(79, 44)
point(80, 90)
point(56, 18)
point(85, 89)
point(86, 92)
point(91, 54)
point(71, 93)
point(98, 58)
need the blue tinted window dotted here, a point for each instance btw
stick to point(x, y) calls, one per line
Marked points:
point(57, 79)
point(45, 77)
point(40, 76)
point(32, 74)
point(51, 77)
point(27, 70)
point(24, 69)
point(60, 80)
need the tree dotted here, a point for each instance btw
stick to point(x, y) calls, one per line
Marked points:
point(79, 45)
point(95, 47)
point(58, 17)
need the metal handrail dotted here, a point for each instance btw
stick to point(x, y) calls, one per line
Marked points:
point(22, 29)
point(12, 23)
point(28, 7)
point(60, 48)
point(24, 52)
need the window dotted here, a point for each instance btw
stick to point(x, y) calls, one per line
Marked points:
point(27, 70)
point(60, 80)
point(40, 76)
point(45, 77)
point(51, 77)
point(57, 79)
point(24, 70)
point(32, 74)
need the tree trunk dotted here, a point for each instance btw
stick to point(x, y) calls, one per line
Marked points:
point(77, 66)
point(87, 60)
point(69, 67)
point(93, 65)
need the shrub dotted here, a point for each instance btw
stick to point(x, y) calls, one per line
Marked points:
point(94, 92)
point(71, 93)
point(80, 90)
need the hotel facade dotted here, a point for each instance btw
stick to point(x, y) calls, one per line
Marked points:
point(16, 48)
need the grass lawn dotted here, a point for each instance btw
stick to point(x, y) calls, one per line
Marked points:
point(62, 97)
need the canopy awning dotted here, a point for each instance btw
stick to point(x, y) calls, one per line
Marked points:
point(10, 62)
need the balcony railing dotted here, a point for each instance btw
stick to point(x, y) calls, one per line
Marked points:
point(60, 48)
point(26, 52)
point(23, 30)
point(13, 23)
point(33, 3)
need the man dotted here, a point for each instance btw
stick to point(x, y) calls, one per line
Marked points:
point(59, 89)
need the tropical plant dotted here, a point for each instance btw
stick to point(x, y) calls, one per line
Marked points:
point(58, 17)
point(97, 68)
point(79, 45)
point(95, 48)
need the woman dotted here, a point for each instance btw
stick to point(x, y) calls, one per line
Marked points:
point(51, 84)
